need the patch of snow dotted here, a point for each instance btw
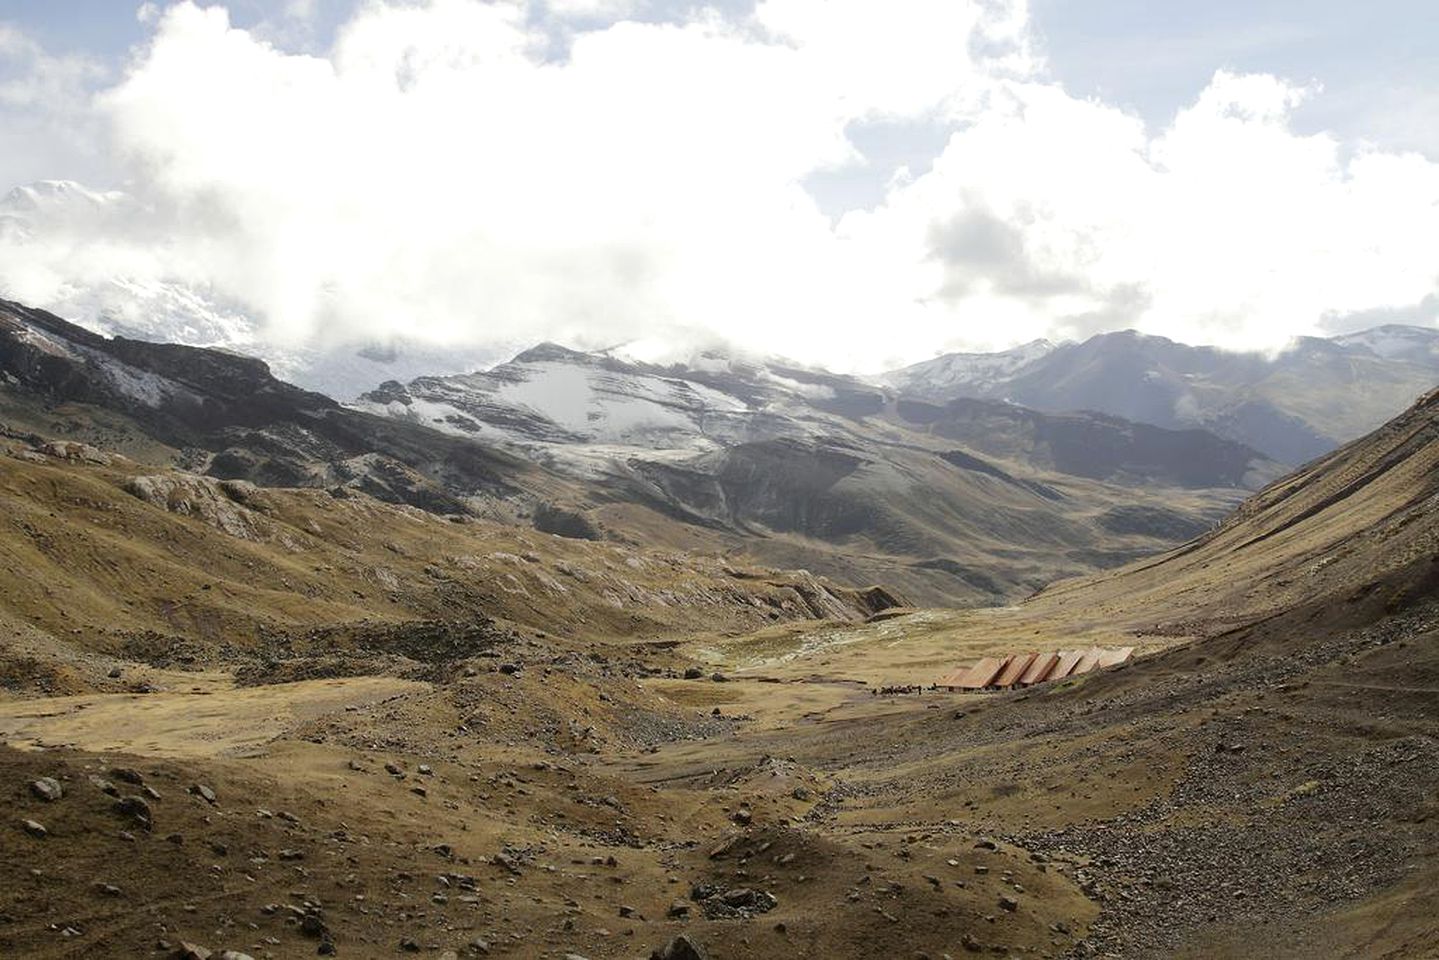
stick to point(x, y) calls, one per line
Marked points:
point(966, 371)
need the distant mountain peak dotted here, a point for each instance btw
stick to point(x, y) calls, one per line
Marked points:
point(549, 351)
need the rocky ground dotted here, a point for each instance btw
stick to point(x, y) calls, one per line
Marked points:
point(537, 801)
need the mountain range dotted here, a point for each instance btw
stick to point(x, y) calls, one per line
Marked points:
point(790, 467)
point(1293, 406)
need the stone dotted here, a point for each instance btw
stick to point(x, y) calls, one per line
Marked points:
point(681, 947)
point(203, 792)
point(193, 951)
point(679, 910)
point(235, 955)
point(35, 829)
point(742, 817)
point(1008, 903)
point(127, 775)
point(47, 789)
point(134, 807)
point(693, 673)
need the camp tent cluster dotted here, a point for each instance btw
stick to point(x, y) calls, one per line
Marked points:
point(1026, 669)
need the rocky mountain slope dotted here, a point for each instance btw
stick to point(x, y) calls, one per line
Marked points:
point(224, 415)
point(1295, 406)
point(790, 467)
point(833, 474)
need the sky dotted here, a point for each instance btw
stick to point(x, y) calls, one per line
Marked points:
point(843, 182)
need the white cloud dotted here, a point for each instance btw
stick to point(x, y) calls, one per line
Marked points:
point(441, 172)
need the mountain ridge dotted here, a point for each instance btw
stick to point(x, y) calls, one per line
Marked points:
point(1286, 406)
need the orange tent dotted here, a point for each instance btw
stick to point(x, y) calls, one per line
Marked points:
point(1088, 662)
point(1112, 658)
point(1039, 669)
point(982, 674)
point(1014, 669)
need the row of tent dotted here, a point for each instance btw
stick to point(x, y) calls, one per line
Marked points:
point(1025, 669)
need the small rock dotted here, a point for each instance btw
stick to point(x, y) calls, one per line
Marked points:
point(680, 948)
point(203, 792)
point(35, 829)
point(134, 807)
point(127, 775)
point(1008, 903)
point(47, 789)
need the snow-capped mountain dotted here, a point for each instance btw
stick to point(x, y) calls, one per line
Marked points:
point(1296, 405)
point(1397, 342)
point(584, 410)
point(966, 371)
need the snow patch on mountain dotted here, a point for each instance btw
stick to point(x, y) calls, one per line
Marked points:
point(968, 370)
point(1396, 342)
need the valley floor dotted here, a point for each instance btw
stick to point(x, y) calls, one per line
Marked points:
point(1258, 798)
